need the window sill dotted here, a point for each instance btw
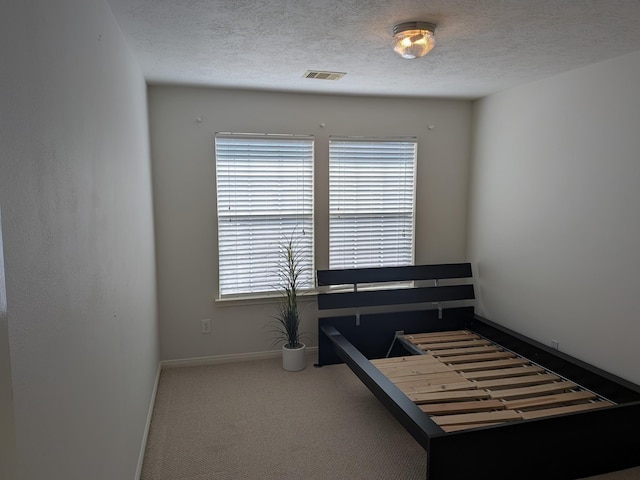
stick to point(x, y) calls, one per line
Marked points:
point(261, 299)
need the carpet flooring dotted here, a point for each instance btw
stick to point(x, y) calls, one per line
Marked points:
point(254, 421)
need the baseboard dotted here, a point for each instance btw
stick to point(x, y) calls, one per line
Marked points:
point(145, 436)
point(221, 359)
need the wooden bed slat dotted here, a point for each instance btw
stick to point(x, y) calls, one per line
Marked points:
point(462, 336)
point(502, 372)
point(417, 337)
point(471, 418)
point(580, 407)
point(462, 407)
point(436, 378)
point(440, 397)
point(457, 428)
point(478, 357)
point(510, 362)
point(525, 380)
point(446, 345)
point(465, 351)
point(415, 367)
point(549, 400)
point(533, 391)
point(393, 360)
point(458, 384)
point(401, 361)
point(417, 370)
point(408, 388)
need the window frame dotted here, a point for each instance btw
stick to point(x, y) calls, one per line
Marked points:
point(336, 142)
point(297, 208)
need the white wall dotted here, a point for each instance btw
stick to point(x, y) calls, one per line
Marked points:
point(184, 195)
point(7, 426)
point(77, 222)
point(554, 220)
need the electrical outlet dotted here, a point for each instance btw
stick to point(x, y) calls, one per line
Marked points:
point(555, 344)
point(206, 325)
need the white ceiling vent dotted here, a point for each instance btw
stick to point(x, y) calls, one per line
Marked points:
point(323, 75)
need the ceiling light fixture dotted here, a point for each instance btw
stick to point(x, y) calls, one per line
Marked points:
point(413, 39)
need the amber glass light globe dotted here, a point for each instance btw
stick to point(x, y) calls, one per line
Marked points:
point(413, 39)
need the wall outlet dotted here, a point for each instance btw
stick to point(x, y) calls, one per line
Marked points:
point(206, 325)
point(555, 344)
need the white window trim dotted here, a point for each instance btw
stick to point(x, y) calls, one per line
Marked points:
point(372, 187)
point(259, 206)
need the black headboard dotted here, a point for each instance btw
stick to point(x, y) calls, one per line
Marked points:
point(409, 299)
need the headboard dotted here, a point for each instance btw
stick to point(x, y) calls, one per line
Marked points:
point(369, 305)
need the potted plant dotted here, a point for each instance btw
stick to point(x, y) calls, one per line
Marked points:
point(286, 323)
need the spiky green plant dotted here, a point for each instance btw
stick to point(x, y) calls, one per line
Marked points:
point(286, 324)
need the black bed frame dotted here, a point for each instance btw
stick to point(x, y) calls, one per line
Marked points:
point(435, 298)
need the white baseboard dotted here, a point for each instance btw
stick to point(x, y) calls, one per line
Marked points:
point(220, 359)
point(145, 436)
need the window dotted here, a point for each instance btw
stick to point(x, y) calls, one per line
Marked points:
point(371, 202)
point(265, 195)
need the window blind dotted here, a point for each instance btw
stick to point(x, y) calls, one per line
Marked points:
point(265, 196)
point(371, 202)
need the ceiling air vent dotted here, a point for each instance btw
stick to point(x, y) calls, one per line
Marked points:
point(323, 75)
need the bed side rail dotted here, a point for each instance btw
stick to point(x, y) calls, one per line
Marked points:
point(419, 425)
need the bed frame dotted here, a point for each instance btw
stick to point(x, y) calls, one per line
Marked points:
point(369, 312)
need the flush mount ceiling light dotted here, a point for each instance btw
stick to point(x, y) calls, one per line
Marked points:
point(413, 39)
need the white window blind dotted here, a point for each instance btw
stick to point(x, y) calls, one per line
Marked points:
point(371, 202)
point(265, 195)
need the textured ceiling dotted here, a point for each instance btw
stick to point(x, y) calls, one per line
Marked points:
point(482, 46)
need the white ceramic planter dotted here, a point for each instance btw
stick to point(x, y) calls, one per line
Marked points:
point(293, 359)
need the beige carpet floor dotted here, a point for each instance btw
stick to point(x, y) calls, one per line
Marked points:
point(255, 421)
